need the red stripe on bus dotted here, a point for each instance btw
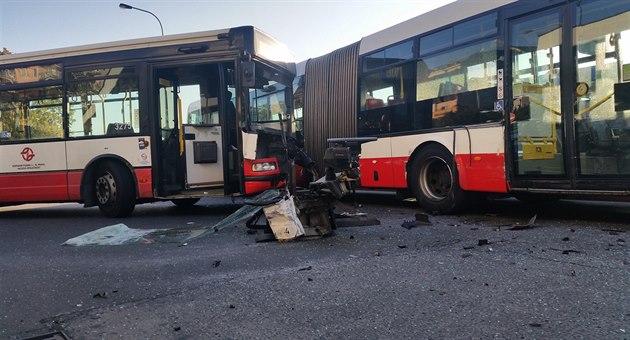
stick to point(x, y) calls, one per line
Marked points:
point(482, 172)
point(485, 173)
point(34, 187)
point(145, 182)
point(74, 184)
point(143, 176)
point(383, 172)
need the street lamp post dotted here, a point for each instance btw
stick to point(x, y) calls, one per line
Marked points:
point(125, 6)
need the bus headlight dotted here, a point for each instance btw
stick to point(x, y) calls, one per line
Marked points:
point(264, 166)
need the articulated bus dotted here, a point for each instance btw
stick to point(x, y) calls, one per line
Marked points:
point(523, 98)
point(175, 117)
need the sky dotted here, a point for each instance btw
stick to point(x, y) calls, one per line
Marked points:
point(309, 28)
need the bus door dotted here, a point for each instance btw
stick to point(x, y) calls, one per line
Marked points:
point(536, 134)
point(192, 146)
point(570, 106)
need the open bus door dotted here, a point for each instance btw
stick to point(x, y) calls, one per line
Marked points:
point(193, 124)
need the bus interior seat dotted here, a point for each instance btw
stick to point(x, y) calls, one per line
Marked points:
point(373, 103)
point(394, 100)
point(596, 136)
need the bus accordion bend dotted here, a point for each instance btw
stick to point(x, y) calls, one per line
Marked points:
point(507, 97)
point(176, 117)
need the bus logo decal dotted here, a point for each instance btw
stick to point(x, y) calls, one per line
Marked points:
point(27, 154)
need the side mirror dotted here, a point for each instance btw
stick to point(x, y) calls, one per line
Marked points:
point(248, 73)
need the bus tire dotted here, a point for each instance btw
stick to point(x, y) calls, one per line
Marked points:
point(114, 190)
point(435, 181)
point(185, 202)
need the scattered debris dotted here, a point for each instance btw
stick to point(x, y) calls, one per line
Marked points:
point(120, 234)
point(421, 219)
point(518, 226)
point(177, 328)
point(483, 242)
point(402, 246)
point(535, 324)
point(216, 263)
point(614, 231)
point(572, 272)
point(100, 295)
point(565, 239)
point(289, 215)
point(424, 218)
point(566, 251)
point(465, 255)
point(305, 268)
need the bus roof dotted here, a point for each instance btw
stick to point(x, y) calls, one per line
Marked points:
point(261, 42)
point(426, 22)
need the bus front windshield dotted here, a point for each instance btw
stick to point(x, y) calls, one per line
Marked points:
point(270, 100)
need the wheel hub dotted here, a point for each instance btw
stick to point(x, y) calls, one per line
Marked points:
point(105, 188)
point(436, 179)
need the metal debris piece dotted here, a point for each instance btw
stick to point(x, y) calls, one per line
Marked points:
point(283, 219)
point(422, 218)
point(518, 226)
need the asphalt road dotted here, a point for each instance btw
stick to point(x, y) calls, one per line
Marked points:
point(472, 275)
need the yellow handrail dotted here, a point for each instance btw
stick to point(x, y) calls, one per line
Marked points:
point(179, 124)
point(596, 104)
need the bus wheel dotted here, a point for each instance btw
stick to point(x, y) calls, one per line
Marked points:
point(185, 202)
point(114, 190)
point(434, 181)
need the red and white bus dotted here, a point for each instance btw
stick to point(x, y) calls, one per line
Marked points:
point(175, 117)
point(505, 96)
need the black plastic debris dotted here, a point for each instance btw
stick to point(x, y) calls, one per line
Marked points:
point(305, 268)
point(100, 295)
point(421, 219)
point(216, 263)
point(566, 251)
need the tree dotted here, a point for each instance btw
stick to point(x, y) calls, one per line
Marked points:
point(5, 51)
